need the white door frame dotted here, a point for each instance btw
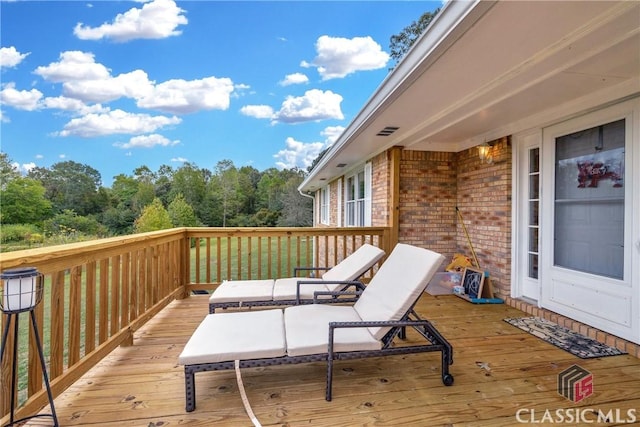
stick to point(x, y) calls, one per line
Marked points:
point(608, 304)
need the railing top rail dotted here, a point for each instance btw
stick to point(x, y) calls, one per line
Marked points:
point(282, 231)
point(45, 256)
point(51, 257)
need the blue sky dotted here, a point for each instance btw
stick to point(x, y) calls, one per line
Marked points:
point(121, 84)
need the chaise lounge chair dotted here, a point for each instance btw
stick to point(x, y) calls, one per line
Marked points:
point(324, 332)
point(298, 290)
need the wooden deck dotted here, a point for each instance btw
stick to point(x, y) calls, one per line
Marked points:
point(499, 371)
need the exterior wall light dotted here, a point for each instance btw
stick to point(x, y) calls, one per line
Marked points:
point(484, 151)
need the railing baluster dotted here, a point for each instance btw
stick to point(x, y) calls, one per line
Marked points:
point(208, 242)
point(249, 255)
point(103, 329)
point(75, 315)
point(90, 309)
point(114, 296)
point(124, 293)
point(56, 349)
point(198, 243)
point(269, 257)
point(259, 257)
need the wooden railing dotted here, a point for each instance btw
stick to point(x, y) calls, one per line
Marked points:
point(98, 293)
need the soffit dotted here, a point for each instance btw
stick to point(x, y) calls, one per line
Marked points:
point(507, 62)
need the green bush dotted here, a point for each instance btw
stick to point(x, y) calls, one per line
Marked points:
point(12, 233)
point(69, 223)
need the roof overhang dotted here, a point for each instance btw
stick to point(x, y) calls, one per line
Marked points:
point(484, 69)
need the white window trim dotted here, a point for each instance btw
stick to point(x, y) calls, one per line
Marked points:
point(340, 195)
point(367, 169)
point(325, 205)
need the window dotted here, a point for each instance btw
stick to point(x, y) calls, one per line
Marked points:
point(324, 205)
point(358, 198)
point(533, 226)
point(589, 200)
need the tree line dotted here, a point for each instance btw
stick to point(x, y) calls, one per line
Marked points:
point(68, 200)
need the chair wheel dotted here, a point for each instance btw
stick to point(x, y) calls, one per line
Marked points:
point(447, 379)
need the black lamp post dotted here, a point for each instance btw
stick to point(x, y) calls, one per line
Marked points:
point(21, 292)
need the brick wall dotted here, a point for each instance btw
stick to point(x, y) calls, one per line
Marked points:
point(428, 199)
point(484, 201)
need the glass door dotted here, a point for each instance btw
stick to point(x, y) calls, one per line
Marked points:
point(586, 220)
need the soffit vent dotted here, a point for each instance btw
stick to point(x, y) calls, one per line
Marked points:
point(387, 131)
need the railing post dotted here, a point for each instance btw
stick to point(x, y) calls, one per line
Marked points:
point(394, 199)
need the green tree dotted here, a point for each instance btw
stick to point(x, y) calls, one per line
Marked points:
point(401, 43)
point(270, 188)
point(163, 183)
point(226, 189)
point(119, 221)
point(248, 178)
point(297, 210)
point(191, 182)
point(153, 217)
point(22, 201)
point(7, 171)
point(181, 213)
point(71, 185)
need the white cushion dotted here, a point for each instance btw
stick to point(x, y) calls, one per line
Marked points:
point(244, 335)
point(307, 330)
point(398, 283)
point(354, 266)
point(285, 288)
point(243, 290)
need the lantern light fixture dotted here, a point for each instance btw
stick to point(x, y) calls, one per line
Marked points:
point(484, 152)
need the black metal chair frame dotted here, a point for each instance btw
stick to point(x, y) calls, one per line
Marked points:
point(358, 287)
point(436, 343)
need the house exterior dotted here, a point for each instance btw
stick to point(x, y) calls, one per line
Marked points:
point(553, 209)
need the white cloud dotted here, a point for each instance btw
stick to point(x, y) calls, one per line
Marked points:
point(73, 105)
point(257, 111)
point(155, 20)
point(134, 84)
point(90, 82)
point(179, 160)
point(315, 105)
point(338, 57)
point(182, 96)
point(20, 99)
point(331, 134)
point(297, 154)
point(26, 167)
point(147, 141)
point(4, 118)
point(73, 66)
point(10, 57)
point(294, 79)
point(116, 122)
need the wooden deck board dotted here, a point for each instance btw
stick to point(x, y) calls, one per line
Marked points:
point(143, 385)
